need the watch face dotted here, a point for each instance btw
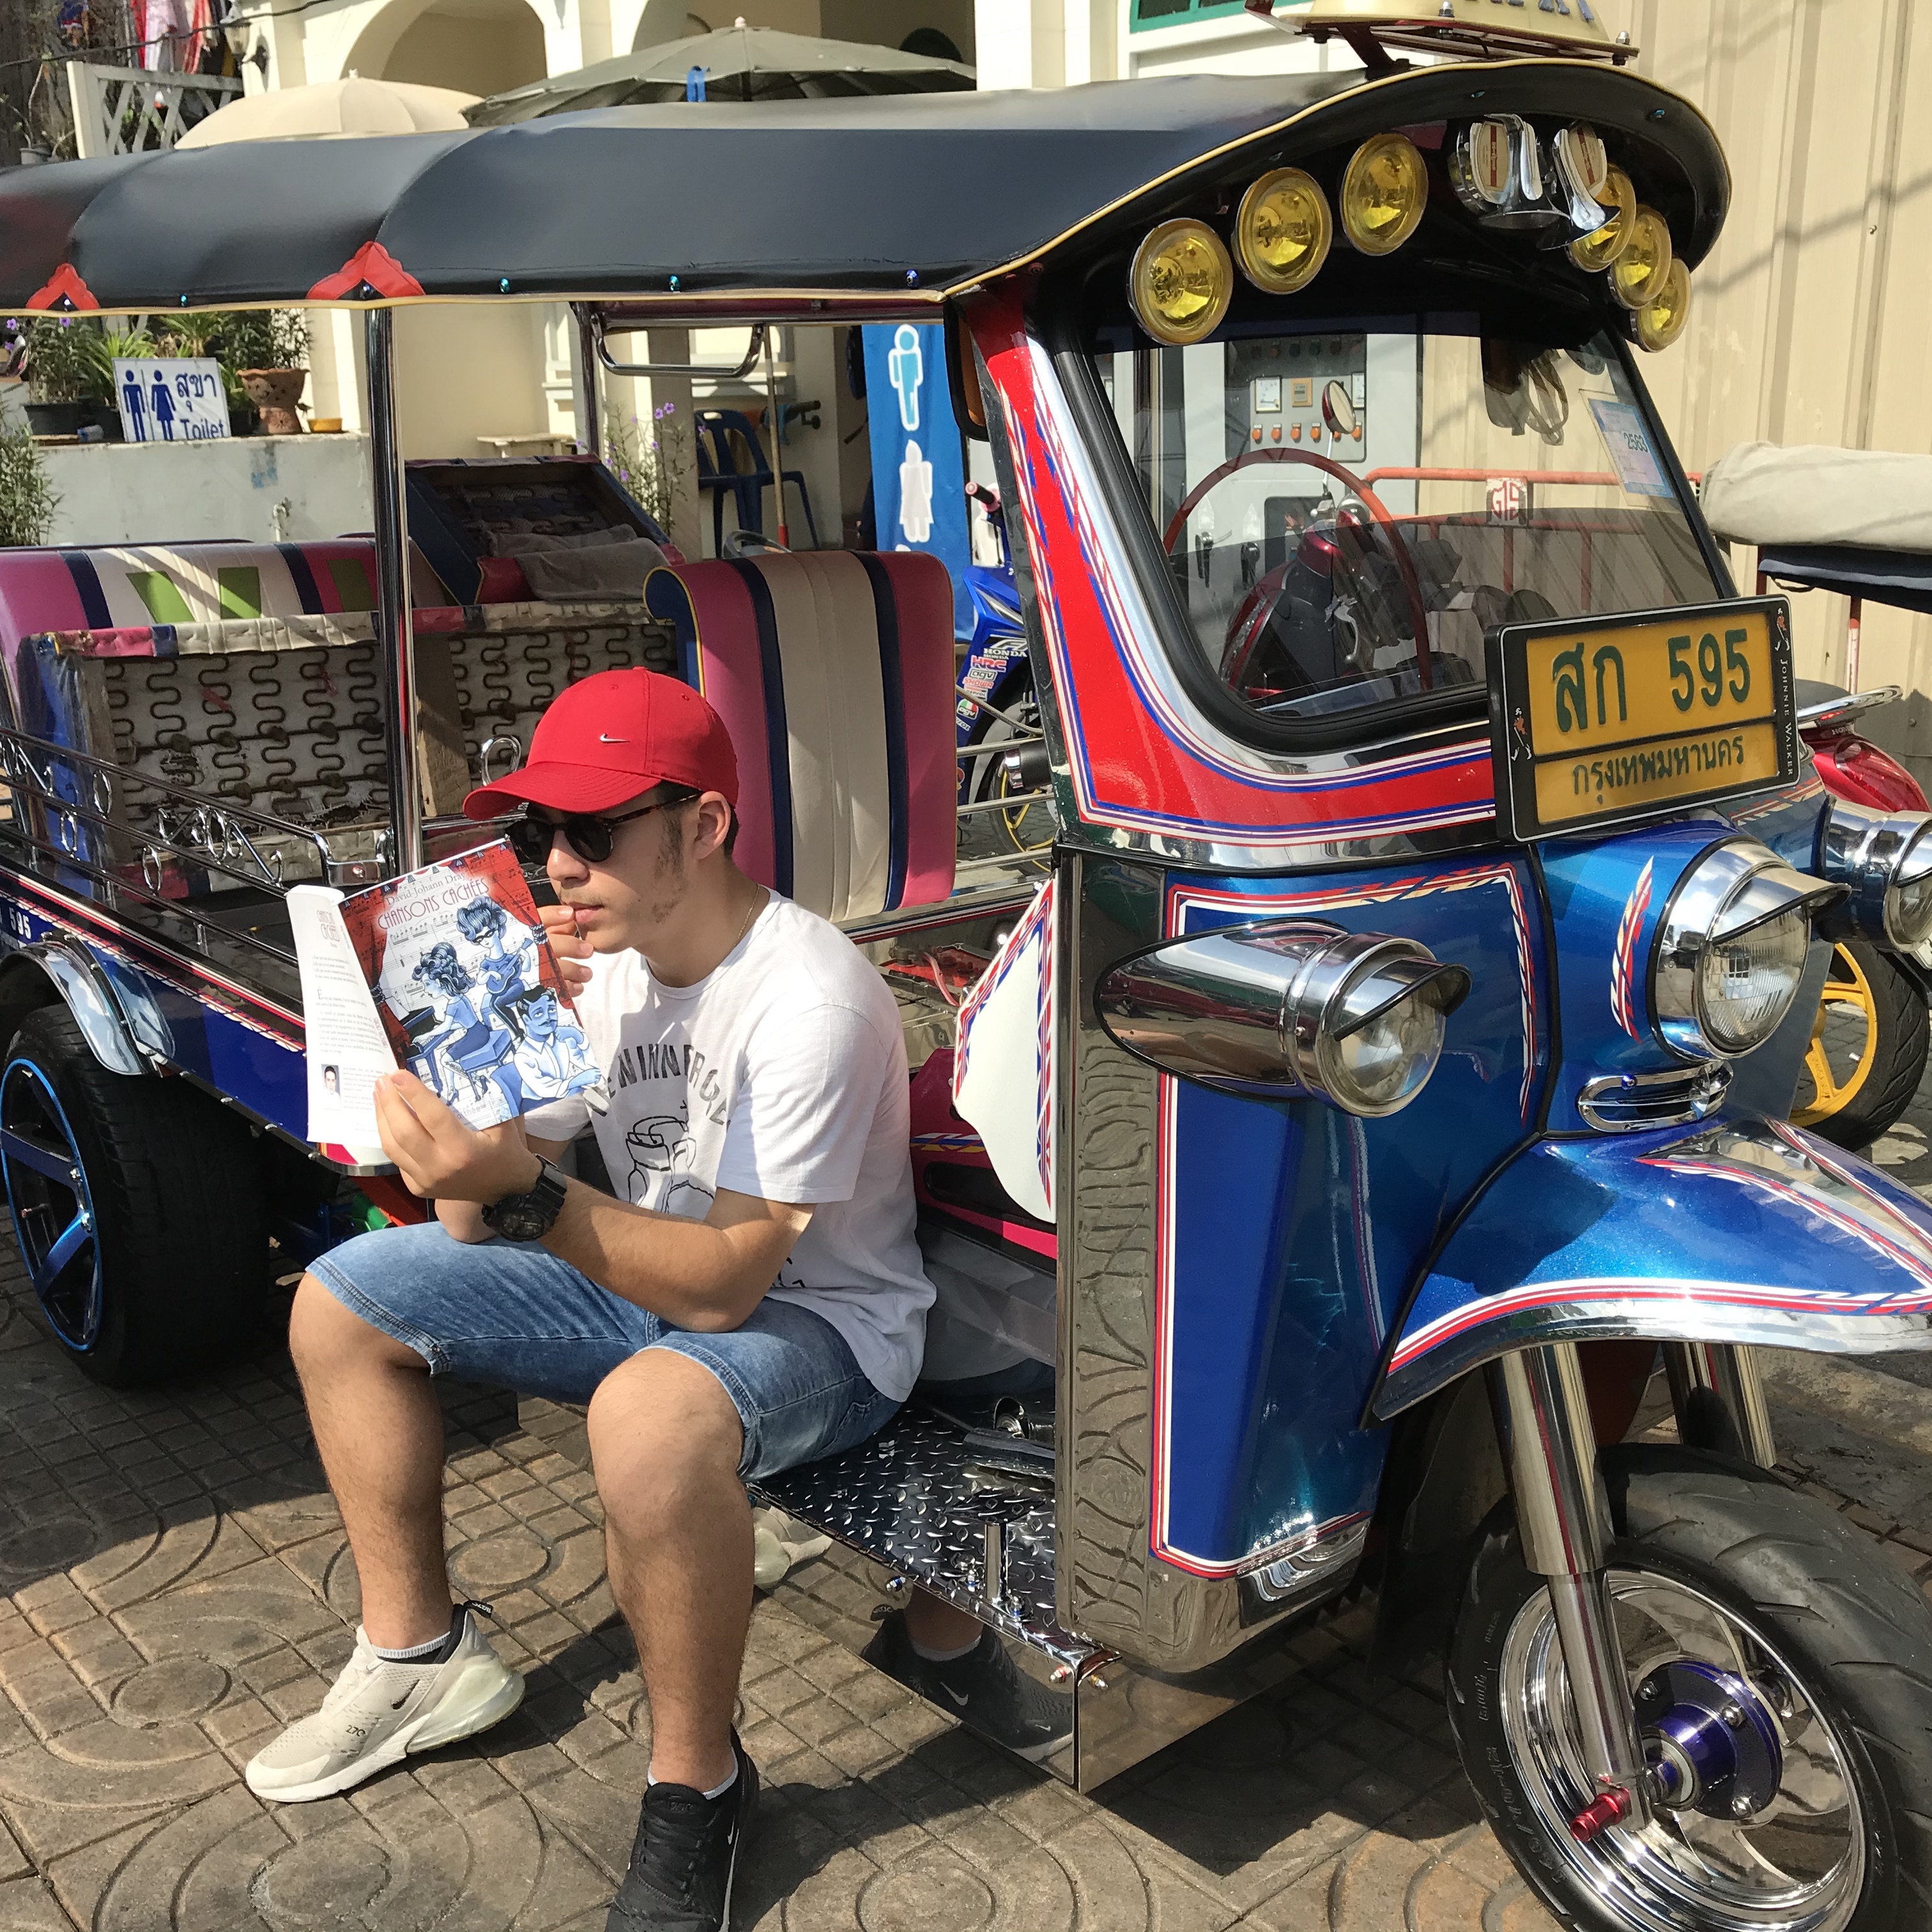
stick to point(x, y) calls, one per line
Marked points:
point(522, 1223)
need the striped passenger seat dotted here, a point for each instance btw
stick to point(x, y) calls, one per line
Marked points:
point(833, 672)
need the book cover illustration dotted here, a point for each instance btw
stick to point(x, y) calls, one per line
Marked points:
point(467, 989)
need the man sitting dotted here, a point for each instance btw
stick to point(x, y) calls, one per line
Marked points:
point(759, 1300)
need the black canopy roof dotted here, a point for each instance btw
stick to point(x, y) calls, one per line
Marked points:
point(904, 198)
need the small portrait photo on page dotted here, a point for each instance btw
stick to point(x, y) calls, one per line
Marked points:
point(445, 972)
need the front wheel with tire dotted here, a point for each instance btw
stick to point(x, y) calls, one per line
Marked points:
point(1820, 1653)
point(136, 1203)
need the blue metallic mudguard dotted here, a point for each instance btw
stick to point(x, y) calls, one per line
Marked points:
point(1747, 1231)
point(1285, 1234)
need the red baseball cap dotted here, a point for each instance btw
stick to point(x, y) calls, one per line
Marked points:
point(610, 737)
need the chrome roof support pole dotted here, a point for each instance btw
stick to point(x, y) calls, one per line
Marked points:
point(583, 371)
point(395, 629)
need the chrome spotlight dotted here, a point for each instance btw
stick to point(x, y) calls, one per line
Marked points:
point(1885, 858)
point(1288, 1009)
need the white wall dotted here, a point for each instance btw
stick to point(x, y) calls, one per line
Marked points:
point(126, 493)
point(464, 369)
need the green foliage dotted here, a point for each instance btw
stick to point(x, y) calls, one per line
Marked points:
point(256, 338)
point(61, 363)
point(27, 500)
point(70, 358)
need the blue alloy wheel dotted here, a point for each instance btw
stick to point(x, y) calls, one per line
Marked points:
point(53, 1212)
point(141, 1207)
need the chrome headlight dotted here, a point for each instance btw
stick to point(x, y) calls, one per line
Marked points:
point(1884, 860)
point(1288, 1009)
point(1730, 950)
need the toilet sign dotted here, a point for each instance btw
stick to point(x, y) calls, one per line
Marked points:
point(170, 398)
point(918, 474)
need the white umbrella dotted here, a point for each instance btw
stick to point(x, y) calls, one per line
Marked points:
point(353, 107)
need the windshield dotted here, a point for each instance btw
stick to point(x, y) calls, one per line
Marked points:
point(1344, 513)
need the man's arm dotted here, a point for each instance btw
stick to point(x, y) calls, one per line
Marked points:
point(706, 1276)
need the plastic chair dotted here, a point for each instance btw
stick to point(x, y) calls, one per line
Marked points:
point(736, 462)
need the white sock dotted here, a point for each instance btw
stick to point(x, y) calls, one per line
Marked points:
point(717, 1791)
point(417, 1653)
point(421, 1653)
point(941, 1656)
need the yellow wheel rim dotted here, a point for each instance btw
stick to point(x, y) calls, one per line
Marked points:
point(1021, 822)
point(1848, 994)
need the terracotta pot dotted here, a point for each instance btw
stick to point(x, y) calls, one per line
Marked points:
point(275, 392)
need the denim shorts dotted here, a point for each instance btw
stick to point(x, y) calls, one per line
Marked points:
point(517, 1317)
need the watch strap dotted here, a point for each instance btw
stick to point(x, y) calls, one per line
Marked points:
point(539, 1204)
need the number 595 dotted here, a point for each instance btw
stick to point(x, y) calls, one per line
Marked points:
point(1707, 678)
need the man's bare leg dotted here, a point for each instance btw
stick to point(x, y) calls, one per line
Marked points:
point(665, 1440)
point(378, 1427)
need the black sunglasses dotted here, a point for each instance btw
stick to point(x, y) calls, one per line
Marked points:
point(591, 837)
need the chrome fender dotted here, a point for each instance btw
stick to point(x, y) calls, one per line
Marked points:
point(1744, 1230)
point(118, 1018)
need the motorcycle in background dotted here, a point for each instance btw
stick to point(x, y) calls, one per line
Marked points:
point(1809, 514)
point(1870, 1039)
point(1002, 750)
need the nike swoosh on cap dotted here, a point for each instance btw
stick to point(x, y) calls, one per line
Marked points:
point(604, 738)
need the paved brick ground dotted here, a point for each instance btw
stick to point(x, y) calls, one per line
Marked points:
point(174, 1586)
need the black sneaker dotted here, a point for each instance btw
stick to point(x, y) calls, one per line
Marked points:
point(983, 1689)
point(685, 1856)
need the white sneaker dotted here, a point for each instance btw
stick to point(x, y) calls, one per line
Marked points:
point(378, 1712)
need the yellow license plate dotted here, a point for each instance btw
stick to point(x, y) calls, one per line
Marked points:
point(1605, 720)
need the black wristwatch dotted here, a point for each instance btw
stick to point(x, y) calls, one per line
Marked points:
point(530, 1216)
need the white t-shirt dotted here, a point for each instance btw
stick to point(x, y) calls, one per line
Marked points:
point(782, 1074)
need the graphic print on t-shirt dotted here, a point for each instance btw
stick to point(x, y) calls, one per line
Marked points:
point(661, 1152)
point(671, 1168)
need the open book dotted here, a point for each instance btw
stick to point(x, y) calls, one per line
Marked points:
point(446, 972)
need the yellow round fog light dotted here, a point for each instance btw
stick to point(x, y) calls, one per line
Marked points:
point(1638, 275)
point(1601, 248)
point(1180, 282)
point(1661, 321)
point(1283, 231)
point(1384, 193)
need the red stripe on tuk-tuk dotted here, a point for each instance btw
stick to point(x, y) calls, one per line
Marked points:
point(1141, 758)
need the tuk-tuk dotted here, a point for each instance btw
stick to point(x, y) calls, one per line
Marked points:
point(1363, 1103)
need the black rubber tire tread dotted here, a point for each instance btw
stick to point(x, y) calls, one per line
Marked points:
point(180, 1214)
point(1903, 1041)
point(1854, 1629)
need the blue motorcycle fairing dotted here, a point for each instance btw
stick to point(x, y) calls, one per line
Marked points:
point(1747, 1230)
point(1286, 1234)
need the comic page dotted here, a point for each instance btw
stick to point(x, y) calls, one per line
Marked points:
point(467, 989)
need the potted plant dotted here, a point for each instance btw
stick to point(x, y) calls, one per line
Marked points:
point(70, 376)
point(264, 353)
